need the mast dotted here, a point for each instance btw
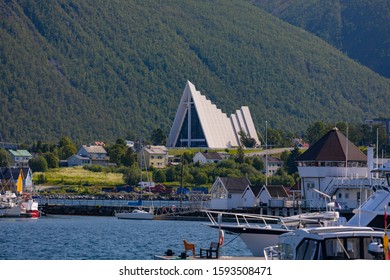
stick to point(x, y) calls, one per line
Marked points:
point(266, 153)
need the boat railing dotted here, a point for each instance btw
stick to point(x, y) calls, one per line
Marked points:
point(244, 219)
point(272, 253)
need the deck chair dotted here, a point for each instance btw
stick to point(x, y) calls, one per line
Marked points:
point(189, 246)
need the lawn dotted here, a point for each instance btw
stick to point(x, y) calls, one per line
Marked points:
point(77, 176)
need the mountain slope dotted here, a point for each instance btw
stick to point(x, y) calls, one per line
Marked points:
point(359, 28)
point(97, 70)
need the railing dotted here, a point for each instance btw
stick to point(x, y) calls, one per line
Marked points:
point(247, 220)
point(108, 202)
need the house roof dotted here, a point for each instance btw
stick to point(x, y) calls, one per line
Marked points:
point(78, 157)
point(235, 185)
point(94, 149)
point(333, 147)
point(272, 159)
point(276, 191)
point(5, 172)
point(20, 153)
point(156, 150)
point(212, 155)
point(256, 190)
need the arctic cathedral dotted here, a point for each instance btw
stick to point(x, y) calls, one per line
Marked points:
point(199, 123)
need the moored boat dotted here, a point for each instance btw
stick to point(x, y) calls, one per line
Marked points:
point(330, 243)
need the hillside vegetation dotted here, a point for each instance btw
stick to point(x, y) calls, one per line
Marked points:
point(359, 28)
point(99, 70)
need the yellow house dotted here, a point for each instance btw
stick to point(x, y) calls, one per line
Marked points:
point(156, 156)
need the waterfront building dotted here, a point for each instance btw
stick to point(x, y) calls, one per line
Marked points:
point(199, 123)
point(335, 167)
point(17, 179)
point(226, 193)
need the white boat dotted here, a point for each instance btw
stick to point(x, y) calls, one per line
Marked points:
point(136, 214)
point(371, 213)
point(260, 231)
point(330, 243)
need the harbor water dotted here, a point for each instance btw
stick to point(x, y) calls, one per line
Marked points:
point(58, 237)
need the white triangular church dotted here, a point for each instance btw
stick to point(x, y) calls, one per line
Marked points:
point(199, 123)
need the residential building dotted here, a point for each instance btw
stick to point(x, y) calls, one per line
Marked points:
point(271, 165)
point(156, 156)
point(96, 153)
point(226, 193)
point(77, 160)
point(199, 123)
point(20, 158)
point(208, 157)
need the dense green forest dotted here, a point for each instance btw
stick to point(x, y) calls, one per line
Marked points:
point(359, 28)
point(100, 70)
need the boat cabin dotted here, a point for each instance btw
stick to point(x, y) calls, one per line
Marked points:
point(331, 243)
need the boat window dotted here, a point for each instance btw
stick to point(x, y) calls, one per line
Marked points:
point(334, 248)
point(306, 249)
point(311, 250)
point(301, 249)
point(349, 248)
point(286, 252)
point(366, 241)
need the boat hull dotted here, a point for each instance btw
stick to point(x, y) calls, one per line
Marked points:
point(255, 238)
point(135, 216)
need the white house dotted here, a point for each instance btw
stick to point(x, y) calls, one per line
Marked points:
point(226, 193)
point(250, 196)
point(273, 196)
point(208, 157)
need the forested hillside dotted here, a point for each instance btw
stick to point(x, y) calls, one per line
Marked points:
point(359, 28)
point(99, 70)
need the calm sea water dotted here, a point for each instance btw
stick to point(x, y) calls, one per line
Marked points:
point(104, 238)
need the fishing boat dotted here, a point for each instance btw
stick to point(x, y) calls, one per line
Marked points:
point(330, 243)
point(12, 205)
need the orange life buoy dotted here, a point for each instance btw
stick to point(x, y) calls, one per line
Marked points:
point(221, 238)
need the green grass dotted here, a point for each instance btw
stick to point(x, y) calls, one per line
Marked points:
point(77, 176)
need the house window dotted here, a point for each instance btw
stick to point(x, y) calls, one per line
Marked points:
point(159, 157)
point(346, 195)
point(152, 157)
point(229, 196)
point(339, 195)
